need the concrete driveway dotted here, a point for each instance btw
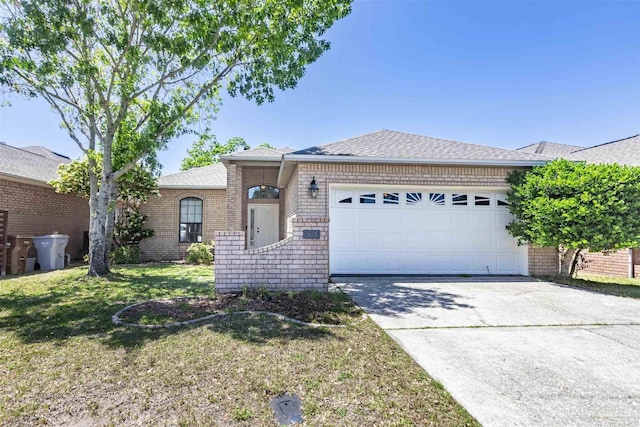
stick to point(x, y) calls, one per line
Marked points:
point(514, 351)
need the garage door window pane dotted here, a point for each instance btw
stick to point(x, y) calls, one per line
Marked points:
point(483, 201)
point(437, 198)
point(390, 198)
point(368, 198)
point(414, 198)
point(459, 199)
point(347, 200)
point(502, 200)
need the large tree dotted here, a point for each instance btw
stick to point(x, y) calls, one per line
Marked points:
point(131, 190)
point(576, 206)
point(127, 76)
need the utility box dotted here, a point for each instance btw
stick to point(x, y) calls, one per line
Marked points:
point(51, 250)
point(17, 254)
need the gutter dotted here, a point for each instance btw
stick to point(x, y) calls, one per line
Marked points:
point(193, 187)
point(25, 180)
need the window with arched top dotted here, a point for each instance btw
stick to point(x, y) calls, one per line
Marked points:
point(190, 220)
point(263, 192)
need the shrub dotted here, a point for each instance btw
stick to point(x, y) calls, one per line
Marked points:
point(126, 255)
point(200, 253)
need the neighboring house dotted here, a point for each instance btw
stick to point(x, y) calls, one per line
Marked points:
point(552, 149)
point(624, 263)
point(33, 205)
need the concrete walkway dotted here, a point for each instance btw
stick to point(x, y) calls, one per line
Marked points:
point(514, 351)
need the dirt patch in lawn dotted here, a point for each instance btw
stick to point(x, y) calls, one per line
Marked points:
point(309, 306)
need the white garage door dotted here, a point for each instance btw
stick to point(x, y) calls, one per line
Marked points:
point(400, 230)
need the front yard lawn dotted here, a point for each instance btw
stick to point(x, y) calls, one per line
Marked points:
point(62, 361)
point(620, 286)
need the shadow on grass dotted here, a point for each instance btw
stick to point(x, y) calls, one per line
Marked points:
point(53, 307)
point(602, 286)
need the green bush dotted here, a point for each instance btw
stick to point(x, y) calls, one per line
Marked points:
point(200, 253)
point(126, 255)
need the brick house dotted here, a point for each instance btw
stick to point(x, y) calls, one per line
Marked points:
point(34, 208)
point(382, 203)
point(623, 263)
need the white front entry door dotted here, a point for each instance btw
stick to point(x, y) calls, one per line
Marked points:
point(263, 225)
point(413, 230)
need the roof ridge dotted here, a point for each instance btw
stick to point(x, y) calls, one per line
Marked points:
point(461, 142)
point(605, 143)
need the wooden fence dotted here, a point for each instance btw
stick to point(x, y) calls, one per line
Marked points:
point(4, 216)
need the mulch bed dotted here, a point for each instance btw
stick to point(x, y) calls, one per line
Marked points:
point(308, 306)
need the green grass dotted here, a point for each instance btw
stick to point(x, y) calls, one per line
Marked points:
point(620, 286)
point(62, 361)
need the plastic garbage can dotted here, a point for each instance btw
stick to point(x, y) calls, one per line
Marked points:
point(51, 250)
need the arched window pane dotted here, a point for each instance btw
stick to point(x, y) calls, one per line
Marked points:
point(263, 192)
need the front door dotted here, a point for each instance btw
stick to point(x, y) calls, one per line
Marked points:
point(263, 225)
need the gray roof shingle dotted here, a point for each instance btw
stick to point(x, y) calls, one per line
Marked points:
point(212, 176)
point(391, 144)
point(259, 152)
point(23, 163)
point(624, 152)
point(549, 148)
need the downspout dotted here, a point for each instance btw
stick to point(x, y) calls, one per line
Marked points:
point(631, 272)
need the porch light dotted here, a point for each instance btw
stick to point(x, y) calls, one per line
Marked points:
point(313, 188)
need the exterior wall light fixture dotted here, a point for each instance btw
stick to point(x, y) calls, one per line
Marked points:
point(313, 189)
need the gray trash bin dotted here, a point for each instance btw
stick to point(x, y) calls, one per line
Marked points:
point(51, 250)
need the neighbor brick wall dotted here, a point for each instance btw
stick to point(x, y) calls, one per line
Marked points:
point(543, 261)
point(164, 219)
point(37, 210)
point(292, 264)
point(636, 262)
point(614, 264)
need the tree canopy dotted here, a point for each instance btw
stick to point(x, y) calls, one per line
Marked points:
point(207, 151)
point(576, 206)
point(128, 76)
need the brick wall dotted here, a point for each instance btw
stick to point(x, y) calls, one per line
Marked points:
point(543, 261)
point(636, 262)
point(614, 264)
point(292, 264)
point(36, 210)
point(351, 173)
point(291, 202)
point(164, 219)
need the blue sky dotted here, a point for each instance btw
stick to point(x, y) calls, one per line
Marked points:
point(499, 73)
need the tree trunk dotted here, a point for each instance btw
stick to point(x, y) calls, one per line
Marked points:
point(98, 257)
point(568, 261)
point(110, 223)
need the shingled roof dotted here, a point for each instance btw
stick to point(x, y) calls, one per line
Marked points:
point(398, 145)
point(258, 153)
point(550, 148)
point(22, 163)
point(623, 151)
point(211, 177)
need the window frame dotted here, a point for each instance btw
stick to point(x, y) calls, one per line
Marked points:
point(193, 229)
